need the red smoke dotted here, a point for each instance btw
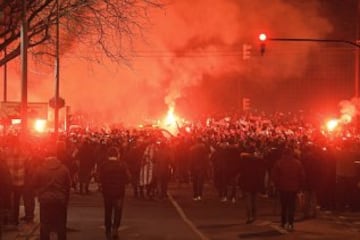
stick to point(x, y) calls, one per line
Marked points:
point(190, 57)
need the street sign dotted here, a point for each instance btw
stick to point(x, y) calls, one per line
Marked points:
point(13, 110)
point(60, 102)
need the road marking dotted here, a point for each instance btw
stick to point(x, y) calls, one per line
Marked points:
point(279, 229)
point(186, 219)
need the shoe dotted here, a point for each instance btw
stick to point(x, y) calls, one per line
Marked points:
point(108, 235)
point(115, 233)
point(224, 199)
point(199, 198)
point(290, 228)
point(250, 220)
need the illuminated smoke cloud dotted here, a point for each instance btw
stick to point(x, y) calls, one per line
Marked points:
point(188, 58)
point(349, 109)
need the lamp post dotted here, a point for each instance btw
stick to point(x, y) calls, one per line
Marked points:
point(23, 55)
point(57, 73)
point(357, 52)
point(3, 19)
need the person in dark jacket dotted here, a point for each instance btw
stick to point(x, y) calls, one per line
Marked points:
point(113, 177)
point(86, 158)
point(5, 191)
point(199, 158)
point(163, 160)
point(252, 176)
point(52, 184)
point(288, 176)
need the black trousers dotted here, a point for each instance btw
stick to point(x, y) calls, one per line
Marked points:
point(287, 201)
point(29, 203)
point(53, 217)
point(17, 194)
point(346, 191)
point(113, 212)
point(198, 183)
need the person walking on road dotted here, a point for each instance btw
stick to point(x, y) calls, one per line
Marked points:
point(199, 159)
point(252, 176)
point(52, 184)
point(15, 157)
point(5, 191)
point(113, 177)
point(288, 176)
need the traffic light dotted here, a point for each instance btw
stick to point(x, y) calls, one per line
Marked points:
point(262, 38)
point(246, 104)
point(246, 51)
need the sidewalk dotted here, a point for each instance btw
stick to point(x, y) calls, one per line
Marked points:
point(24, 230)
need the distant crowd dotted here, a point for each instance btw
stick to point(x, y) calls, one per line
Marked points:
point(279, 156)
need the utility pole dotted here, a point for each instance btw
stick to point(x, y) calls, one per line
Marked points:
point(23, 56)
point(57, 72)
point(5, 65)
point(5, 78)
point(357, 52)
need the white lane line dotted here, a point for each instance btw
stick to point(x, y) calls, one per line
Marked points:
point(278, 228)
point(186, 219)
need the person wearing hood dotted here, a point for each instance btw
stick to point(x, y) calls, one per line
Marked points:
point(289, 176)
point(113, 177)
point(252, 175)
point(52, 183)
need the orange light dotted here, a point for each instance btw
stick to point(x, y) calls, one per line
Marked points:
point(332, 124)
point(15, 121)
point(170, 122)
point(170, 117)
point(40, 125)
point(262, 37)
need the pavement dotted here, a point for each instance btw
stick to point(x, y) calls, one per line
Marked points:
point(181, 218)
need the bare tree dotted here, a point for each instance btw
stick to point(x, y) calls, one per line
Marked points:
point(102, 24)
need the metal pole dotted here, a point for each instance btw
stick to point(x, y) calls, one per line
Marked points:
point(57, 73)
point(357, 52)
point(5, 67)
point(5, 78)
point(315, 40)
point(23, 55)
point(357, 62)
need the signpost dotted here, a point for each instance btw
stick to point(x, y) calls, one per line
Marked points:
point(34, 110)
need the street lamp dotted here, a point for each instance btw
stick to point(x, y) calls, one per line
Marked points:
point(23, 54)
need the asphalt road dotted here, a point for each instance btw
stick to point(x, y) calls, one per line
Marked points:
point(181, 218)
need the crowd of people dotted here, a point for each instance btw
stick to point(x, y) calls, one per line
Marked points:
point(280, 156)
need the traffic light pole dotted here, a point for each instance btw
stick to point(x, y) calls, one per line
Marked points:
point(355, 44)
point(314, 40)
point(57, 74)
point(24, 80)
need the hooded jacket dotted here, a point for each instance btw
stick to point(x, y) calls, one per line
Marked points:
point(113, 177)
point(288, 174)
point(52, 182)
point(5, 183)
